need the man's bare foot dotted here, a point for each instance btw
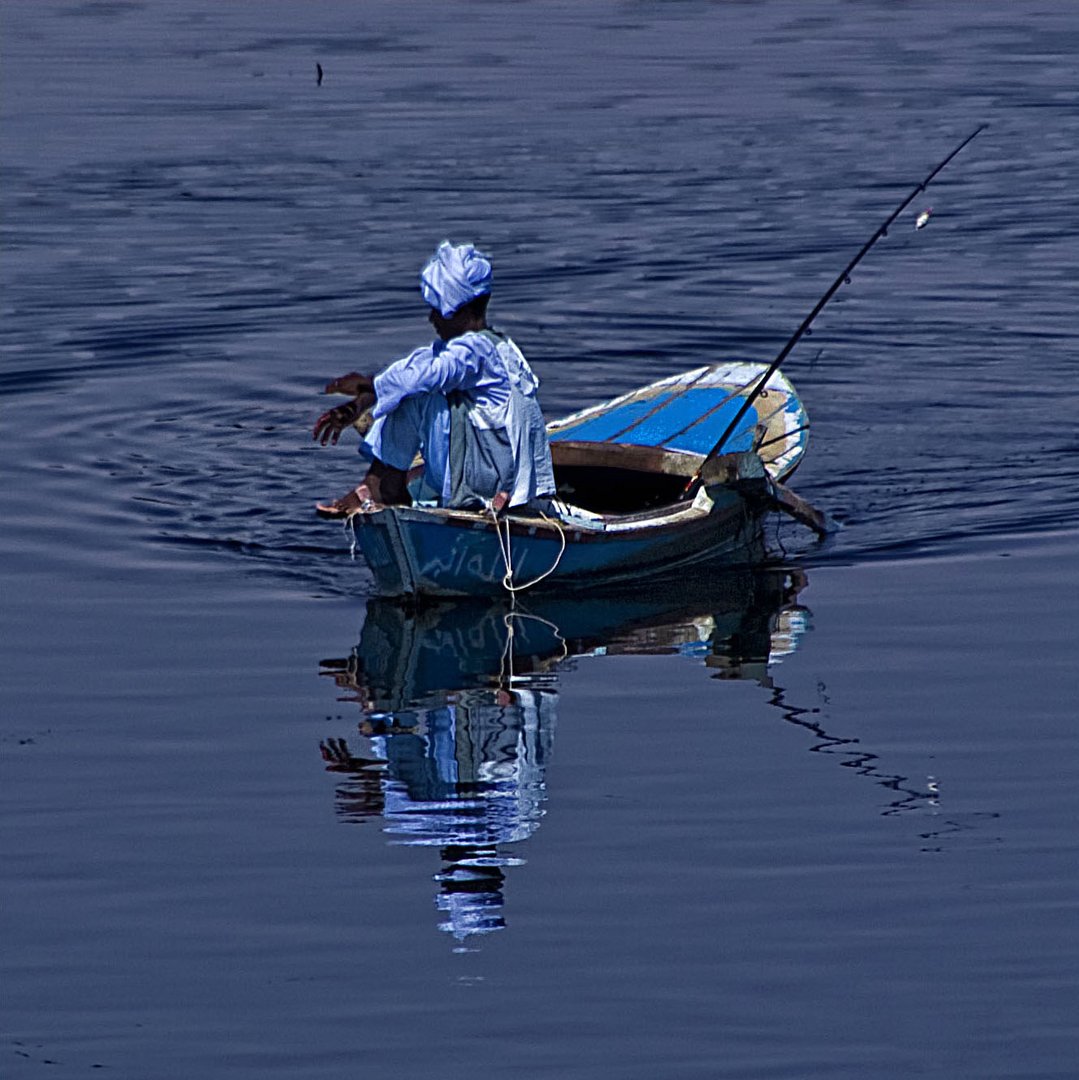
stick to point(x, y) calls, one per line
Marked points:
point(382, 486)
point(357, 501)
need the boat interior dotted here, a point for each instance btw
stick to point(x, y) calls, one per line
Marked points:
point(607, 490)
point(611, 478)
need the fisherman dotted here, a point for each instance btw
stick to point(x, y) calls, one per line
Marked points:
point(467, 402)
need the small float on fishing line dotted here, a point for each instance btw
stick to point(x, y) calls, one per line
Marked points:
point(922, 219)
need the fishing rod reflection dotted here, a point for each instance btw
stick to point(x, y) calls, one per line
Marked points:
point(458, 705)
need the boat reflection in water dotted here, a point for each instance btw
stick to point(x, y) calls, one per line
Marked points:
point(458, 704)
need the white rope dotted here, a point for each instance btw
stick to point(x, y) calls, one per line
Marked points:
point(350, 529)
point(505, 547)
point(349, 524)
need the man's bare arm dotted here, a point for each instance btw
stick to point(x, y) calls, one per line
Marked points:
point(353, 384)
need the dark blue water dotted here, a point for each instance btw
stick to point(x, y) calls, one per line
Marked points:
point(817, 822)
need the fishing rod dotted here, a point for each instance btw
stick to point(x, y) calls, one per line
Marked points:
point(844, 278)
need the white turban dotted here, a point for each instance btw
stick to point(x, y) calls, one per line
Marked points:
point(453, 276)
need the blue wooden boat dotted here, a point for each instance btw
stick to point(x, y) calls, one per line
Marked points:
point(622, 470)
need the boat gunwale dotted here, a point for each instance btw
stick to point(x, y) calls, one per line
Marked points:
point(671, 516)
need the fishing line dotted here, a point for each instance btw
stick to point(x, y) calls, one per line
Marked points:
point(782, 438)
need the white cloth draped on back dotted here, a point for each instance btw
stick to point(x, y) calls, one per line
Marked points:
point(412, 414)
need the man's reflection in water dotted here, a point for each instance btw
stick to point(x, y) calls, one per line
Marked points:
point(457, 766)
point(459, 702)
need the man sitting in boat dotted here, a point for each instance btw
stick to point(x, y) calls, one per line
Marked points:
point(467, 402)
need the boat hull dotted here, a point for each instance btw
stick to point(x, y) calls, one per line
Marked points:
point(448, 553)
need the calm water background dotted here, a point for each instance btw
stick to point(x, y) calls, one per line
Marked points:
point(868, 868)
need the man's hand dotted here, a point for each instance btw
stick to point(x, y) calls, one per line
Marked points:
point(352, 384)
point(330, 424)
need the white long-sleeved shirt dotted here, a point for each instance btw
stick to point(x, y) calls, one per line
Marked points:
point(470, 362)
point(501, 389)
